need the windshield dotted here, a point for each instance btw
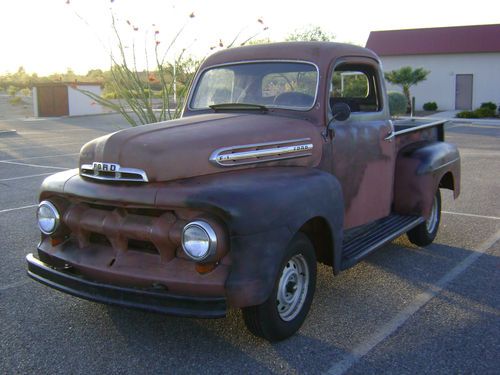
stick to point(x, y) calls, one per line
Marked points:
point(271, 84)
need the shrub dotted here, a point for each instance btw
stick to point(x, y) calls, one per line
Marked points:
point(465, 114)
point(25, 92)
point(489, 105)
point(397, 103)
point(484, 112)
point(109, 95)
point(15, 100)
point(478, 113)
point(12, 90)
point(430, 106)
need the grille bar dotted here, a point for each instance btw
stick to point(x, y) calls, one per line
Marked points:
point(113, 173)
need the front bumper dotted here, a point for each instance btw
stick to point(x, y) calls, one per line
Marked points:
point(155, 301)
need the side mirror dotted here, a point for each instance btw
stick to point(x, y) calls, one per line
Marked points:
point(341, 111)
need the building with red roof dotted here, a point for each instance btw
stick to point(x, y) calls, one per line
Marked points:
point(464, 62)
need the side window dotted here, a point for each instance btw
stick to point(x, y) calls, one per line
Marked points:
point(357, 86)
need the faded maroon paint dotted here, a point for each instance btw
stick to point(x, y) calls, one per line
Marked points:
point(420, 169)
point(255, 211)
point(427, 134)
point(181, 148)
point(362, 159)
point(322, 54)
point(258, 209)
point(135, 268)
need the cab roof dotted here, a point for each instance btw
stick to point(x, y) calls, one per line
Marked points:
point(319, 53)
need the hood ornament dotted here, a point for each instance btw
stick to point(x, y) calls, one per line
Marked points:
point(112, 172)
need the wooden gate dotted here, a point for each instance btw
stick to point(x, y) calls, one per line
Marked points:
point(52, 101)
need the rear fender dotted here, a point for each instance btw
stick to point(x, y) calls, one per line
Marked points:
point(422, 168)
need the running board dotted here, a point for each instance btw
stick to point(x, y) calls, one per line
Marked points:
point(356, 248)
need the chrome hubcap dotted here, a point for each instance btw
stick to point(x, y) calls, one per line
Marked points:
point(292, 288)
point(431, 222)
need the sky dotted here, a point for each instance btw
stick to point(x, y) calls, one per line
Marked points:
point(48, 36)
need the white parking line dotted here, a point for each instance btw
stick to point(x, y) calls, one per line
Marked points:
point(471, 215)
point(41, 157)
point(32, 165)
point(18, 208)
point(59, 145)
point(22, 177)
point(392, 326)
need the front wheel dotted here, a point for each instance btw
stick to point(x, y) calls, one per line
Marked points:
point(424, 233)
point(286, 309)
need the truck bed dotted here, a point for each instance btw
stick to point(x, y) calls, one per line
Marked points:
point(406, 124)
point(414, 129)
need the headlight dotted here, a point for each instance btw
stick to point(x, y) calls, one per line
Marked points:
point(199, 240)
point(48, 217)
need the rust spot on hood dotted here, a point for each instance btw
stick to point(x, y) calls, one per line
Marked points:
point(182, 148)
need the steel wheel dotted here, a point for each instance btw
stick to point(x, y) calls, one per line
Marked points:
point(286, 308)
point(292, 288)
point(424, 233)
point(431, 222)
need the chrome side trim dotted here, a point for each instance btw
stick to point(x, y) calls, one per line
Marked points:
point(132, 174)
point(282, 150)
point(420, 127)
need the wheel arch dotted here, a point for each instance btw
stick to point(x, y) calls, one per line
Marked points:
point(320, 234)
point(421, 169)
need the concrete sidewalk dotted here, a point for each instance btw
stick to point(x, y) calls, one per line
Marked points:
point(450, 115)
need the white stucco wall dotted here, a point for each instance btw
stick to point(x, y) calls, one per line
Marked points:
point(440, 84)
point(80, 104)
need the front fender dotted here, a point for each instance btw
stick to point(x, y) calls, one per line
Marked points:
point(263, 208)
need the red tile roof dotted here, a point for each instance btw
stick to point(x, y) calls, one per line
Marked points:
point(440, 40)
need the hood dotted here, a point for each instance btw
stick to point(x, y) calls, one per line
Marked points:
point(205, 144)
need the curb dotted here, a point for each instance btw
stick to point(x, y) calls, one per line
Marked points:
point(8, 132)
point(475, 121)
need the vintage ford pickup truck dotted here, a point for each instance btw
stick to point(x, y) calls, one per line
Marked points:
point(285, 156)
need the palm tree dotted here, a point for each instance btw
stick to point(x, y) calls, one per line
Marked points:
point(407, 77)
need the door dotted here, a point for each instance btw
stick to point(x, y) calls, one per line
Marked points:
point(463, 91)
point(363, 159)
point(52, 101)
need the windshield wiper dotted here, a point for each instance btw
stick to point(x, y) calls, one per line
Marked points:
point(238, 106)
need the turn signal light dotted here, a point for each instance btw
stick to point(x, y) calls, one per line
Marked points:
point(203, 268)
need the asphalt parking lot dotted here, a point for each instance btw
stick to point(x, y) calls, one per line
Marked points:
point(404, 310)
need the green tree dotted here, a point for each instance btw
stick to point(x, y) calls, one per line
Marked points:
point(255, 42)
point(407, 77)
point(310, 34)
point(95, 75)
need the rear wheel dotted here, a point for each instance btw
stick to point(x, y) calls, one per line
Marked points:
point(425, 233)
point(286, 309)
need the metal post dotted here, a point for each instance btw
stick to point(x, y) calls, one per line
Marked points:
point(175, 85)
point(412, 106)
